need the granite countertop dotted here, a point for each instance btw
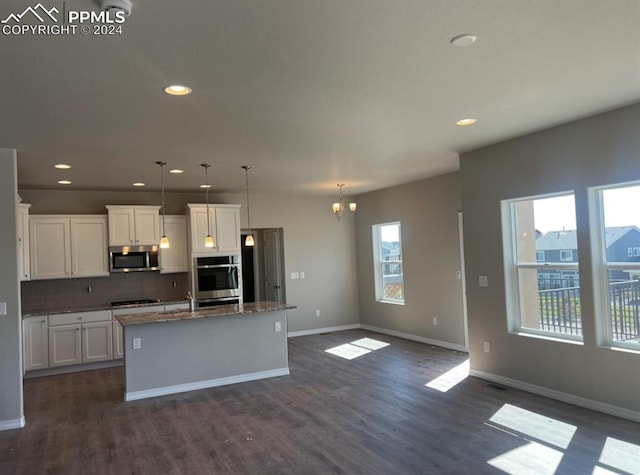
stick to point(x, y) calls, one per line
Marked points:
point(207, 312)
point(96, 308)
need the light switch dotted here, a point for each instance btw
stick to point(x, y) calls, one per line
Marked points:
point(3, 308)
point(483, 281)
point(137, 343)
point(295, 275)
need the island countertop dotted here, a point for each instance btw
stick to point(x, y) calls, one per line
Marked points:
point(206, 312)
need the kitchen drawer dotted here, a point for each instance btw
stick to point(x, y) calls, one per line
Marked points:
point(79, 317)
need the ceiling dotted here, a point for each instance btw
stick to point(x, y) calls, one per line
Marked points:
point(310, 93)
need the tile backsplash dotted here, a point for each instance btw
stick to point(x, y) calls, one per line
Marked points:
point(63, 294)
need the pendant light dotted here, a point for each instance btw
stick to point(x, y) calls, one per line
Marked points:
point(249, 242)
point(164, 241)
point(338, 206)
point(208, 242)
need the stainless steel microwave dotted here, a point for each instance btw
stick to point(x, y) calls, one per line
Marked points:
point(133, 258)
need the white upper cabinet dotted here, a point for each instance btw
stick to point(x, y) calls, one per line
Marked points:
point(224, 227)
point(133, 225)
point(89, 246)
point(68, 246)
point(176, 258)
point(23, 241)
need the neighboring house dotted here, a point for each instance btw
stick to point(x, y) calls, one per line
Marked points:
point(622, 243)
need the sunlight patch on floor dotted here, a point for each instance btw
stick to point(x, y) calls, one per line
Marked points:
point(529, 459)
point(370, 343)
point(542, 428)
point(357, 348)
point(451, 378)
point(620, 455)
point(348, 351)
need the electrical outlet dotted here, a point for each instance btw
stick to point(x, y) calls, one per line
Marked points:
point(458, 275)
point(318, 313)
point(137, 343)
point(483, 281)
point(278, 326)
point(295, 275)
point(435, 321)
point(487, 347)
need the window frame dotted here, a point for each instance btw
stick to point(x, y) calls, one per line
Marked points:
point(563, 256)
point(378, 263)
point(601, 268)
point(512, 267)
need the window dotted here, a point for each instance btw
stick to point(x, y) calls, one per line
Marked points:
point(566, 255)
point(387, 262)
point(615, 219)
point(542, 297)
point(540, 256)
point(636, 251)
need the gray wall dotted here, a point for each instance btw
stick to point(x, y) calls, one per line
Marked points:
point(314, 243)
point(11, 411)
point(428, 214)
point(599, 150)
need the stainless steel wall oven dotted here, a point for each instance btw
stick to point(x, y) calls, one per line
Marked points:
point(217, 280)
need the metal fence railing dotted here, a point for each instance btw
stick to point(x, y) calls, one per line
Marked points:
point(560, 309)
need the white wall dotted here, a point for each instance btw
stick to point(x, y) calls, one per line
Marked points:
point(11, 411)
point(428, 214)
point(599, 150)
point(314, 243)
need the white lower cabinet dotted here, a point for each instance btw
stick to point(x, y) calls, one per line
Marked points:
point(97, 341)
point(35, 347)
point(76, 338)
point(118, 341)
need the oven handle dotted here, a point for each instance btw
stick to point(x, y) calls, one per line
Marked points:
point(217, 266)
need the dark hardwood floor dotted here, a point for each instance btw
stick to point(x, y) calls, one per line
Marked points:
point(369, 415)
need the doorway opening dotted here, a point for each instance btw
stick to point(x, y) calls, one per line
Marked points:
point(263, 266)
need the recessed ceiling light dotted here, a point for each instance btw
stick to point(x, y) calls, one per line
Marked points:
point(466, 122)
point(205, 186)
point(463, 40)
point(177, 90)
point(176, 171)
point(64, 182)
point(62, 166)
point(138, 183)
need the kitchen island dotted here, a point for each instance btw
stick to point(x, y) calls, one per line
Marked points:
point(179, 351)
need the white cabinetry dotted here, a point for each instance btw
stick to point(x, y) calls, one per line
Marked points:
point(224, 227)
point(133, 225)
point(118, 341)
point(82, 337)
point(68, 246)
point(176, 258)
point(35, 346)
point(23, 241)
point(118, 337)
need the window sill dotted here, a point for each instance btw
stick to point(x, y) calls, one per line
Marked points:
point(390, 302)
point(557, 339)
point(622, 349)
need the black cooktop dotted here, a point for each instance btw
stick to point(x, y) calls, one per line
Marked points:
point(124, 303)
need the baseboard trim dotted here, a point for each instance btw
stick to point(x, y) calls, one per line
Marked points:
point(560, 396)
point(211, 383)
point(12, 424)
point(73, 368)
point(420, 339)
point(316, 331)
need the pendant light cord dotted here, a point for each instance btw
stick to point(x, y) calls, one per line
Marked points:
point(246, 170)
